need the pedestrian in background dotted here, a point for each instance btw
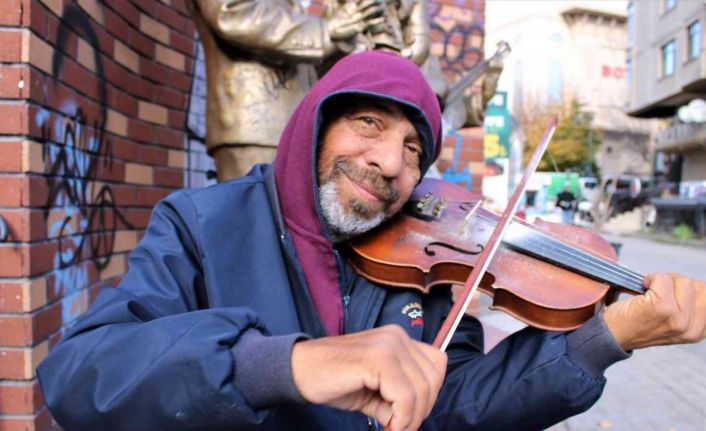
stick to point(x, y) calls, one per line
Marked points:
point(567, 202)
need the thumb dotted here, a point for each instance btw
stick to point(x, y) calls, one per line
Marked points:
point(379, 409)
point(659, 286)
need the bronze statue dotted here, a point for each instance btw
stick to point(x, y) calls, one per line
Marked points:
point(461, 108)
point(260, 58)
point(403, 28)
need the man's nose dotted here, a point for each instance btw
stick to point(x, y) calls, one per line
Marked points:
point(387, 156)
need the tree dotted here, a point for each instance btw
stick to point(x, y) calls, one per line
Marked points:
point(568, 150)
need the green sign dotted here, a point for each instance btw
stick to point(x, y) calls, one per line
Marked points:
point(497, 125)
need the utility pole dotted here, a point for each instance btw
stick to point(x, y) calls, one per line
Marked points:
point(589, 162)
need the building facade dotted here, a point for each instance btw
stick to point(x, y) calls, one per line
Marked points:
point(573, 50)
point(667, 79)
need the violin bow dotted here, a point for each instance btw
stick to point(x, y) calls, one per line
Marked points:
point(443, 338)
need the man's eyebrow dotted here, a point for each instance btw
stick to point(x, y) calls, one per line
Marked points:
point(413, 135)
point(377, 106)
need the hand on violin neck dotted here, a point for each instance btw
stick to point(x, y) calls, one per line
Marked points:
point(381, 373)
point(672, 311)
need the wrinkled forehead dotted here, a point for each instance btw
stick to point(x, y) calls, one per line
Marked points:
point(347, 104)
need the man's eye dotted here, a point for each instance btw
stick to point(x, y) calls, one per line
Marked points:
point(414, 149)
point(369, 121)
point(413, 155)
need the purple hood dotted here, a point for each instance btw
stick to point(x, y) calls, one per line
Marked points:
point(372, 73)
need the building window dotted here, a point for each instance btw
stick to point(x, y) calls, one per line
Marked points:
point(630, 23)
point(669, 5)
point(556, 82)
point(628, 73)
point(668, 58)
point(695, 40)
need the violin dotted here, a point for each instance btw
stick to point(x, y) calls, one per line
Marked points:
point(550, 276)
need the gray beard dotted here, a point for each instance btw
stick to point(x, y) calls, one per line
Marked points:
point(343, 224)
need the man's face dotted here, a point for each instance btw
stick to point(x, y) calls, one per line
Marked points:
point(368, 165)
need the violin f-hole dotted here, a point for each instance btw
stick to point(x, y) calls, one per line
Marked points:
point(430, 252)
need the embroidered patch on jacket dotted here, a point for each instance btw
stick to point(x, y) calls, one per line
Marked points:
point(414, 311)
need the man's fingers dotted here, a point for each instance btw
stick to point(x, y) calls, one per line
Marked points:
point(420, 379)
point(683, 321)
point(411, 374)
point(383, 374)
point(379, 409)
point(395, 388)
point(433, 363)
point(677, 303)
point(390, 377)
point(425, 368)
point(660, 292)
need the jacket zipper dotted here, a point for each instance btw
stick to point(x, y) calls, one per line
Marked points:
point(373, 424)
point(346, 303)
point(346, 297)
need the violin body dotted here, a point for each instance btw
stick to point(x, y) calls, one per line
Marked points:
point(438, 237)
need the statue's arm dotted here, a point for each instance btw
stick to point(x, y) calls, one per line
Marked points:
point(417, 36)
point(268, 29)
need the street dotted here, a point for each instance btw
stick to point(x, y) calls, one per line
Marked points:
point(659, 388)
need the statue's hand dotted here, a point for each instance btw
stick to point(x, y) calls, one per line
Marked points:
point(354, 17)
point(418, 51)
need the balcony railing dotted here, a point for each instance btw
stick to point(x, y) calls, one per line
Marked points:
point(683, 137)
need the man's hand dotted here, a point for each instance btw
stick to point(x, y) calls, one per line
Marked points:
point(352, 18)
point(673, 311)
point(381, 373)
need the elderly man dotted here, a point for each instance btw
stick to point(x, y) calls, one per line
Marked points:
point(239, 310)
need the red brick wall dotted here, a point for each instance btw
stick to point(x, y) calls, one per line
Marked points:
point(102, 115)
point(458, 33)
point(95, 101)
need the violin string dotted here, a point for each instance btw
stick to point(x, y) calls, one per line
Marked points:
point(586, 264)
point(580, 258)
point(575, 252)
point(592, 264)
point(539, 237)
point(601, 272)
point(580, 263)
point(598, 262)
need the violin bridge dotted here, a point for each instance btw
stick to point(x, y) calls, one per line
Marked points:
point(463, 230)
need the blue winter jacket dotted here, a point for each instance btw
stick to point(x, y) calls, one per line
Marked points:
point(200, 331)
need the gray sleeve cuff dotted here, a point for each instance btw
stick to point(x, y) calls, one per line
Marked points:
point(593, 348)
point(263, 368)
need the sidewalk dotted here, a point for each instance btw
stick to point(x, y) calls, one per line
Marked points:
point(660, 388)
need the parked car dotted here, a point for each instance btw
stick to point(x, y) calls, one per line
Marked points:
point(631, 191)
point(628, 192)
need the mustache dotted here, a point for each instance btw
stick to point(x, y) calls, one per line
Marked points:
point(370, 177)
